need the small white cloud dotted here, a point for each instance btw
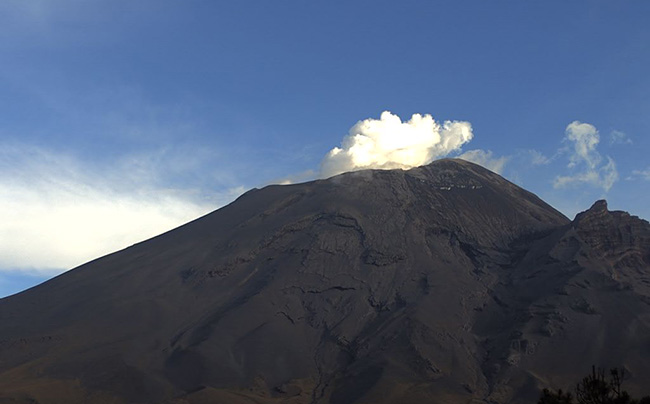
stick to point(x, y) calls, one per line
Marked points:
point(389, 143)
point(585, 160)
point(585, 138)
point(605, 177)
point(618, 137)
point(486, 159)
point(57, 213)
point(643, 174)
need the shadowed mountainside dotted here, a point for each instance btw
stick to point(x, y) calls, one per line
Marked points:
point(444, 283)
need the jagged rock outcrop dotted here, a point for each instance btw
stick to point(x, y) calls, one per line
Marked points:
point(445, 283)
point(617, 236)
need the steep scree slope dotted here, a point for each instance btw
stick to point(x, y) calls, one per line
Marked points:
point(445, 283)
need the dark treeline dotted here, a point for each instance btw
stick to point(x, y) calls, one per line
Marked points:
point(594, 389)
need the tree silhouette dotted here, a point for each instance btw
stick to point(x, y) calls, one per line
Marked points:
point(549, 397)
point(595, 389)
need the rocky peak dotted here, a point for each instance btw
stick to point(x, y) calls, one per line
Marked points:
point(621, 239)
point(597, 210)
point(599, 206)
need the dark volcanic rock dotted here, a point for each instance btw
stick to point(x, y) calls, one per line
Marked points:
point(444, 283)
point(619, 238)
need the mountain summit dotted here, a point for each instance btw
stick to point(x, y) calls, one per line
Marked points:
point(444, 283)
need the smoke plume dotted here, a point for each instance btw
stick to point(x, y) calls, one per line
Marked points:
point(388, 143)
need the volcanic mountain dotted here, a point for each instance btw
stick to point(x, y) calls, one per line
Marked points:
point(440, 284)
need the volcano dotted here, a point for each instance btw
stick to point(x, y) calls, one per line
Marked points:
point(444, 284)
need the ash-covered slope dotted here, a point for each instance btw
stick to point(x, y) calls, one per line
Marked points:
point(444, 283)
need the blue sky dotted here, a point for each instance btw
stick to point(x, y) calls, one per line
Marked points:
point(122, 119)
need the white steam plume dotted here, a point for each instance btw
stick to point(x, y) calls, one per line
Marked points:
point(389, 143)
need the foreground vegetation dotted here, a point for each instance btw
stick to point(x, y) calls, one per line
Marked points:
point(595, 389)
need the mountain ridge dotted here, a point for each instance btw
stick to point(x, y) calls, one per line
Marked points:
point(445, 282)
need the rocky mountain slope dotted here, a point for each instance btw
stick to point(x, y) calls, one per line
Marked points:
point(444, 283)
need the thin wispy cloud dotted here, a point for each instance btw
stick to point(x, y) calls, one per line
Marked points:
point(536, 158)
point(57, 212)
point(586, 164)
point(618, 137)
point(486, 159)
point(388, 143)
point(643, 174)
